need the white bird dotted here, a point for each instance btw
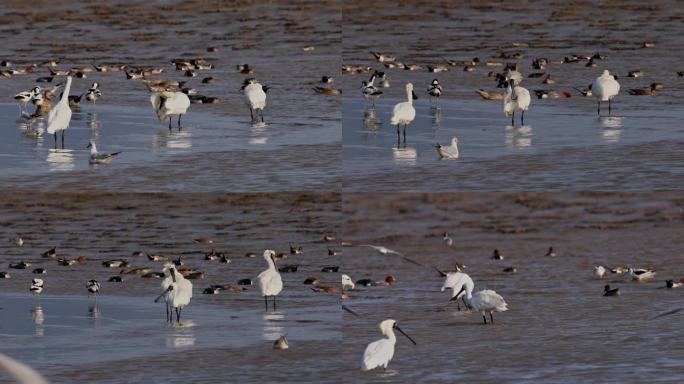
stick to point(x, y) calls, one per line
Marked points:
point(435, 89)
point(176, 291)
point(22, 373)
point(599, 271)
point(93, 286)
point(457, 281)
point(379, 353)
point(100, 158)
point(484, 301)
point(347, 282)
point(255, 96)
point(36, 286)
point(25, 97)
point(404, 113)
point(448, 152)
point(448, 241)
point(94, 92)
point(167, 104)
point(605, 88)
point(59, 116)
point(517, 99)
point(641, 274)
point(270, 282)
point(18, 241)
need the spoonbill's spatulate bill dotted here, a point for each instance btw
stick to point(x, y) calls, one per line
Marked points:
point(270, 282)
point(59, 116)
point(379, 353)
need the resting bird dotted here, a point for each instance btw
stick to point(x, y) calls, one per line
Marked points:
point(450, 151)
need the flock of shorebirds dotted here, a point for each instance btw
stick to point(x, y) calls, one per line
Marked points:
point(516, 99)
point(169, 98)
point(177, 289)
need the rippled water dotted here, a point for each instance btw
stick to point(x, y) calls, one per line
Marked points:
point(559, 328)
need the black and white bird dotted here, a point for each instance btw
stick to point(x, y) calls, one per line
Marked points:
point(435, 89)
point(93, 286)
point(370, 91)
point(36, 286)
point(23, 98)
point(100, 158)
point(93, 93)
point(639, 274)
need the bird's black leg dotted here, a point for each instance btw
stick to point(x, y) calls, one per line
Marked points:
point(266, 302)
point(55, 140)
point(464, 301)
point(262, 115)
point(491, 317)
point(484, 318)
point(458, 304)
point(513, 119)
point(178, 313)
point(404, 134)
point(251, 113)
point(608, 107)
point(167, 313)
point(522, 118)
point(169, 123)
point(274, 303)
point(598, 110)
point(64, 130)
point(179, 117)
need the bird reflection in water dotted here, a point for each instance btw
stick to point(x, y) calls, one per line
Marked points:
point(93, 122)
point(60, 159)
point(371, 120)
point(404, 155)
point(436, 115)
point(273, 325)
point(173, 140)
point(182, 334)
point(612, 128)
point(38, 319)
point(519, 137)
point(257, 134)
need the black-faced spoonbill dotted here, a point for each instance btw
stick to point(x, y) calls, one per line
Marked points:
point(457, 282)
point(176, 291)
point(484, 301)
point(168, 104)
point(379, 353)
point(404, 113)
point(605, 88)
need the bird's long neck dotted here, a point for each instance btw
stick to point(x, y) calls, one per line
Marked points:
point(67, 88)
point(271, 264)
point(391, 336)
point(409, 96)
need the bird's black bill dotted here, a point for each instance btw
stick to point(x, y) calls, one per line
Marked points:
point(274, 263)
point(344, 307)
point(173, 274)
point(415, 97)
point(404, 333)
point(163, 293)
point(455, 297)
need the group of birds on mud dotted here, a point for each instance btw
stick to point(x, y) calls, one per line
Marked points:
point(516, 99)
point(169, 98)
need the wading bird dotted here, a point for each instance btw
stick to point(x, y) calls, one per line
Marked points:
point(605, 88)
point(176, 291)
point(270, 282)
point(255, 96)
point(59, 116)
point(404, 113)
point(167, 104)
point(484, 301)
point(517, 99)
point(379, 353)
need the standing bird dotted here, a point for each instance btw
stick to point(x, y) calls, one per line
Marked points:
point(404, 113)
point(270, 282)
point(435, 89)
point(93, 286)
point(517, 99)
point(379, 353)
point(36, 286)
point(25, 97)
point(59, 116)
point(450, 151)
point(255, 96)
point(456, 281)
point(605, 88)
point(93, 93)
point(176, 291)
point(168, 104)
point(370, 91)
point(484, 301)
point(100, 158)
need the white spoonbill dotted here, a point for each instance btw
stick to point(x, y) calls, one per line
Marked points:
point(270, 282)
point(379, 353)
point(176, 291)
point(456, 281)
point(167, 104)
point(404, 113)
point(517, 99)
point(484, 301)
point(449, 151)
point(255, 96)
point(59, 116)
point(100, 158)
point(22, 373)
point(605, 88)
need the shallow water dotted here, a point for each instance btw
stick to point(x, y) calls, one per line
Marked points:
point(558, 328)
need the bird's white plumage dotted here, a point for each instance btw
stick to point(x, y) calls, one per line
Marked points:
point(181, 293)
point(347, 282)
point(59, 116)
point(517, 99)
point(488, 301)
point(270, 282)
point(456, 281)
point(167, 104)
point(605, 87)
point(450, 151)
point(255, 96)
point(599, 271)
point(379, 353)
point(22, 373)
point(404, 113)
